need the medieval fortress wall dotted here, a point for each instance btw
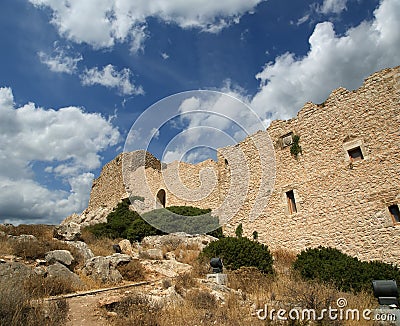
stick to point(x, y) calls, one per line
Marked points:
point(337, 192)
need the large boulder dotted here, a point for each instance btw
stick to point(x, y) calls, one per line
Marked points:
point(62, 273)
point(154, 253)
point(176, 239)
point(168, 268)
point(61, 256)
point(104, 269)
point(22, 238)
point(15, 271)
point(128, 249)
point(68, 232)
point(82, 248)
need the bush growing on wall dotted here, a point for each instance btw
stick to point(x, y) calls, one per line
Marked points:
point(347, 273)
point(239, 231)
point(238, 252)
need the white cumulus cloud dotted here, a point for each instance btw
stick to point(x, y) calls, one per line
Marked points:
point(102, 23)
point(60, 61)
point(67, 142)
point(333, 6)
point(332, 61)
point(111, 78)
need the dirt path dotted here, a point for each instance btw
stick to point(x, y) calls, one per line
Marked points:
point(85, 311)
point(84, 307)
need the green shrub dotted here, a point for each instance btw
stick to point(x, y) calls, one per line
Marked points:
point(182, 219)
point(188, 210)
point(195, 211)
point(295, 148)
point(217, 233)
point(123, 223)
point(239, 231)
point(238, 252)
point(347, 273)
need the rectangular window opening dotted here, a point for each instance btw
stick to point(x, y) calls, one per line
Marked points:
point(355, 154)
point(291, 202)
point(395, 212)
point(286, 140)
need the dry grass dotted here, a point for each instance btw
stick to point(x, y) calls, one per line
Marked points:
point(184, 253)
point(31, 249)
point(99, 246)
point(5, 246)
point(40, 231)
point(19, 304)
point(89, 282)
point(283, 259)
point(183, 282)
point(284, 290)
point(133, 271)
point(187, 254)
point(135, 309)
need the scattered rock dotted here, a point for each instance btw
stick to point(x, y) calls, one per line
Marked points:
point(62, 256)
point(68, 232)
point(22, 238)
point(165, 297)
point(155, 254)
point(17, 272)
point(105, 268)
point(82, 247)
point(127, 248)
point(168, 268)
point(175, 239)
point(59, 271)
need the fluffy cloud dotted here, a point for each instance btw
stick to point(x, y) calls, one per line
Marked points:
point(211, 120)
point(114, 21)
point(67, 142)
point(111, 78)
point(60, 61)
point(332, 61)
point(332, 6)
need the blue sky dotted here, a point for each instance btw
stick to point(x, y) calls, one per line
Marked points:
point(75, 76)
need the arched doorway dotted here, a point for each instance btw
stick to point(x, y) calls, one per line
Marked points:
point(161, 197)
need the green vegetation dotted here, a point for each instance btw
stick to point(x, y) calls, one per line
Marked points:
point(238, 252)
point(239, 230)
point(295, 148)
point(125, 223)
point(186, 219)
point(345, 272)
point(188, 210)
point(139, 198)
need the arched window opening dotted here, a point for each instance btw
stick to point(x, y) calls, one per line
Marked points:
point(161, 197)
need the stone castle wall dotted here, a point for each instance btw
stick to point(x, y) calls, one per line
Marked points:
point(340, 203)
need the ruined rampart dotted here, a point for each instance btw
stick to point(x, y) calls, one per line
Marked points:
point(342, 190)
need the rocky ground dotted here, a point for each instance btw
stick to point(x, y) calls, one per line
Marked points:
point(158, 259)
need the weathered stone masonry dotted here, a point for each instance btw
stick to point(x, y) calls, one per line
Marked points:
point(322, 197)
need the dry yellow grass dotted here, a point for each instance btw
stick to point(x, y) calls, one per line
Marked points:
point(284, 290)
point(99, 246)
